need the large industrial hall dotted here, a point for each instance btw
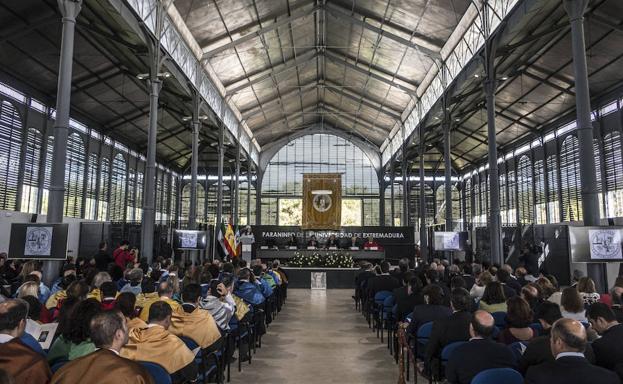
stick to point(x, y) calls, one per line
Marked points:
point(311, 191)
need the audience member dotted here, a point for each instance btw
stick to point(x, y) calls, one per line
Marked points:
point(220, 303)
point(408, 296)
point(480, 353)
point(16, 358)
point(608, 348)
point(478, 289)
point(190, 320)
point(102, 258)
point(572, 305)
point(568, 342)
point(247, 289)
point(165, 293)
point(518, 320)
point(109, 333)
point(382, 282)
point(157, 345)
point(135, 278)
point(587, 290)
point(493, 299)
point(109, 293)
point(126, 304)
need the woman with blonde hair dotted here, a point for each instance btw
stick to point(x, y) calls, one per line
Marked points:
point(478, 289)
point(571, 305)
point(587, 290)
point(29, 288)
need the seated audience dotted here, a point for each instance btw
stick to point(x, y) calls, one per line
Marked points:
point(572, 305)
point(126, 304)
point(104, 366)
point(587, 290)
point(407, 297)
point(538, 350)
point(548, 290)
point(149, 293)
point(135, 278)
point(247, 289)
point(452, 328)
point(75, 340)
point(480, 353)
point(220, 303)
point(263, 281)
point(165, 293)
point(16, 358)
point(190, 320)
point(510, 286)
point(29, 288)
point(518, 320)
point(382, 282)
point(478, 289)
point(156, 344)
point(568, 342)
point(617, 302)
point(609, 347)
point(109, 293)
point(99, 279)
point(493, 299)
point(432, 309)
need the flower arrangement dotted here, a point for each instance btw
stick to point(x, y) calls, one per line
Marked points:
point(320, 260)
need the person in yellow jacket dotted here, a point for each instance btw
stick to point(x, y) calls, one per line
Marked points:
point(154, 343)
point(165, 293)
point(189, 320)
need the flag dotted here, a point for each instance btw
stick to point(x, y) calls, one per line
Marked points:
point(227, 238)
point(238, 243)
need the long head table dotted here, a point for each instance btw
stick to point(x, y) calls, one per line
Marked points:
point(289, 253)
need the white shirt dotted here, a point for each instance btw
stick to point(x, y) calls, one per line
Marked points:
point(569, 354)
point(5, 338)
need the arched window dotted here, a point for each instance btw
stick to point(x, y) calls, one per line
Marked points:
point(539, 190)
point(74, 175)
point(91, 201)
point(397, 219)
point(614, 174)
point(117, 188)
point(30, 185)
point(524, 187)
point(321, 153)
point(10, 147)
point(186, 203)
point(570, 179)
point(243, 199)
point(553, 197)
point(102, 209)
point(47, 174)
point(131, 196)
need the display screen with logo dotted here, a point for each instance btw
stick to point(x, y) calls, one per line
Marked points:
point(38, 241)
point(190, 240)
point(595, 244)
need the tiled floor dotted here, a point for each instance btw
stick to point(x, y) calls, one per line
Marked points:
point(319, 338)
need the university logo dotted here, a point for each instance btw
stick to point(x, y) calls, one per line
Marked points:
point(322, 200)
point(604, 244)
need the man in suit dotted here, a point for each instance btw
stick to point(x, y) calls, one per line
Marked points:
point(617, 308)
point(468, 276)
point(408, 296)
point(568, 341)
point(480, 353)
point(382, 282)
point(450, 329)
point(607, 348)
point(510, 286)
point(432, 309)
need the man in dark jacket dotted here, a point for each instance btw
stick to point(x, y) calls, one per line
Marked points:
point(568, 341)
point(408, 296)
point(102, 258)
point(450, 329)
point(479, 353)
point(382, 282)
point(608, 350)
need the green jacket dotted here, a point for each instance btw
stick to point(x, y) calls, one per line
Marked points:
point(62, 349)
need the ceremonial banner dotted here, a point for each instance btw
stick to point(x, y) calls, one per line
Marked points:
point(322, 201)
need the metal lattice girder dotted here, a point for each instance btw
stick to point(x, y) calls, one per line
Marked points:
point(302, 88)
point(363, 99)
point(281, 22)
point(274, 71)
point(342, 60)
point(340, 12)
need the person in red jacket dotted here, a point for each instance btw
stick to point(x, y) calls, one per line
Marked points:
point(122, 255)
point(371, 244)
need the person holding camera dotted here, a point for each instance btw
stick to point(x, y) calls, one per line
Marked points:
point(219, 302)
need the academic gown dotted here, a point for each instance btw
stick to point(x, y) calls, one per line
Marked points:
point(146, 305)
point(24, 364)
point(157, 345)
point(199, 325)
point(103, 367)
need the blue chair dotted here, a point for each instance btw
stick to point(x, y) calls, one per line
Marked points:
point(498, 375)
point(160, 375)
point(423, 335)
point(518, 349)
point(446, 353)
point(500, 319)
point(379, 300)
point(387, 318)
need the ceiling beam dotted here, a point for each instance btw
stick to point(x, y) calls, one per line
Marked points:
point(278, 23)
point(274, 71)
point(364, 100)
point(340, 12)
point(302, 88)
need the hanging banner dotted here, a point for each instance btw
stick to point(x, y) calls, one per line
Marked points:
point(322, 201)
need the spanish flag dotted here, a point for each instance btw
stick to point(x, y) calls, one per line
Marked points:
point(228, 240)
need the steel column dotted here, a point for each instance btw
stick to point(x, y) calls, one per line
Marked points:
point(236, 207)
point(447, 172)
point(69, 10)
point(422, 210)
point(219, 185)
point(590, 198)
point(249, 164)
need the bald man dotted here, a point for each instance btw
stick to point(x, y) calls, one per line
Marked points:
point(479, 353)
point(568, 341)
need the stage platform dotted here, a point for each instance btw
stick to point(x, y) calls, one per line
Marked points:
point(342, 278)
point(272, 254)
